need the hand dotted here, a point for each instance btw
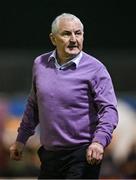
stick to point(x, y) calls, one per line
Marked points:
point(94, 153)
point(16, 151)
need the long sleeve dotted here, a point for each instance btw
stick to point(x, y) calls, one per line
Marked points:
point(68, 114)
point(30, 117)
point(106, 105)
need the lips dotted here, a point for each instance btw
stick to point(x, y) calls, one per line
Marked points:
point(72, 47)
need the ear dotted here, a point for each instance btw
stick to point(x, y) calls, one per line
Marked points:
point(52, 38)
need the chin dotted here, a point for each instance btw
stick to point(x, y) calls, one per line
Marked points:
point(73, 53)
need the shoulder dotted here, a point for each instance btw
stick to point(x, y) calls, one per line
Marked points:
point(91, 61)
point(43, 58)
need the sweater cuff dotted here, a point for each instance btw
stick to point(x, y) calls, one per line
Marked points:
point(100, 138)
point(21, 137)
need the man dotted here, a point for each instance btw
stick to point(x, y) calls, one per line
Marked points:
point(73, 99)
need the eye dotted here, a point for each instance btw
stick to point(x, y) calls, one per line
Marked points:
point(78, 33)
point(66, 33)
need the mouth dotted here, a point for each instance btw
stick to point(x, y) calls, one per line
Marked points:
point(72, 47)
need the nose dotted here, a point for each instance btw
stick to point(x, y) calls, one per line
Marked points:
point(73, 37)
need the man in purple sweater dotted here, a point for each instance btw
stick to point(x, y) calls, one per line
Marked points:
point(73, 100)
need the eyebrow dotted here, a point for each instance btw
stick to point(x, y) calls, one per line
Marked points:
point(70, 31)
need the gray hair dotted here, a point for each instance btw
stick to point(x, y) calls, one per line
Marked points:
point(68, 16)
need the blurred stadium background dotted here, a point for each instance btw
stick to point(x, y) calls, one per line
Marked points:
point(110, 36)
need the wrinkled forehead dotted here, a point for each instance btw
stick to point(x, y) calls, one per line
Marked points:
point(69, 23)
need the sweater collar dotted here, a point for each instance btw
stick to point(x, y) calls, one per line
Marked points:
point(75, 60)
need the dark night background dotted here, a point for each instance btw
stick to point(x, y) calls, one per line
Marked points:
point(110, 30)
point(110, 36)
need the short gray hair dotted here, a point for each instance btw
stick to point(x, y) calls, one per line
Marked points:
point(68, 16)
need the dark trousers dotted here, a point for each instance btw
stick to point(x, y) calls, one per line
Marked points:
point(66, 164)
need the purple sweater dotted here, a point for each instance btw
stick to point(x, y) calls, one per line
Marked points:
point(74, 106)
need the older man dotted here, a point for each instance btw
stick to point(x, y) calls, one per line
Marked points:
point(73, 99)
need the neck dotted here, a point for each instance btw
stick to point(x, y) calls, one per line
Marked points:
point(64, 60)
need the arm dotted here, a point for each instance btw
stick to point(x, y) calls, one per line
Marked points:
point(106, 104)
point(27, 126)
point(30, 118)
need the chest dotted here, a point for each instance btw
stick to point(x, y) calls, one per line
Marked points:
point(67, 86)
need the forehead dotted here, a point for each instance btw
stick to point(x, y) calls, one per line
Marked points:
point(69, 25)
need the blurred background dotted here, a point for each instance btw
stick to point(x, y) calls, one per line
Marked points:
point(110, 36)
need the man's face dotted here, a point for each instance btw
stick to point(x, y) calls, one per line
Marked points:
point(68, 40)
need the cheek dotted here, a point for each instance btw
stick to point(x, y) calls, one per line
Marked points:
point(62, 43)
point(62, 47)
point(81, 40)
point(81, 43)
